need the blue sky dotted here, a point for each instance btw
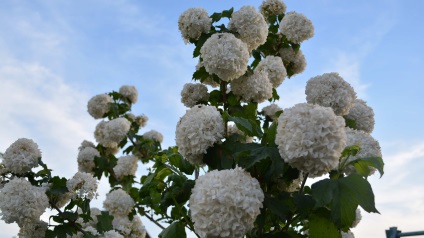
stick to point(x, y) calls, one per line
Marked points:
point(55, 55)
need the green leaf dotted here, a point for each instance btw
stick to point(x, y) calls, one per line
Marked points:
point(228, 13)
point(253, 153)
point(216, 17)
point(175, 230)
point(361, 165)
point(279, 206)
point(321, 226)
point(58, 185)
point(215, 98)
point(270, 134)
point(350, 123)
point(249, 127)
point(304, 204)
point(343, 196)
point(104, 222)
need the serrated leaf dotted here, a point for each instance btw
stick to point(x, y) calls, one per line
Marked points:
point(321, 226)
point(343, 196)
point(175, 230)
point(247, 126)
point(104, 222)
point(304, 204)
point(228, 13)
point(362, 165)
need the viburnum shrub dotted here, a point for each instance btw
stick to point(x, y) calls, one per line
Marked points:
point(236, 170)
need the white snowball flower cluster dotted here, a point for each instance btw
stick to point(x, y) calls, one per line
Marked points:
point(111, 133)
point(112, 234)
point(251, 26)
point(347, 234)
point(99, 105)
point(200, 128)
point(82, 185)
point(21, 202)
point(141, 120)
point(274, 67)
point(256, 87)
point(193, 22)
point(358, 217)
point(86, 159)
point(153, 135)
point(232, 129)
point(296, 27)
point(193, 93)
point(225, 203)
point(130, 229)
point(311, 138)
point(225, 55)
point(271, 110)
point(21, 156)
point(126, 165)
point(363, 116)
point(118, 203)
point(272, 7)
point(369, 147)
point(86, 144)
point(130, 93)
point(33, 229)
point(295, 60)
point(331, 90)
point(209, 80)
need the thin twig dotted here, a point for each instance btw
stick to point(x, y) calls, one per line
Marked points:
point(303, 183)
point(153, 220)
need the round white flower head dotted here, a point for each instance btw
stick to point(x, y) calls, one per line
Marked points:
point(311, 138)
point(99, 105)
point(274, 67)
point(251, 26)
point(347, 234)
point(194, 93)
point(271, 110)
point(82, 185)
point(129, 93)
point(358, 217)
point(21, 156)
point(331, 90)
point(363, 116)
point(193, 22)
point(272, 7)
point(209, 80)
point(130, 229)
point(141, 120)
point(200, 128)
point(294, 61)
point(225, 55)
point(369, 148)
point(118, 203)
point(86, 159)
point(86, 144)
point(126, 165)
point(296, 27)
point(256, 87)
point(232, 129)
point(111, 133)
point(33, 229)
point(225, 203)
point(112, 234)
point(153, 135)
point(21, 202)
